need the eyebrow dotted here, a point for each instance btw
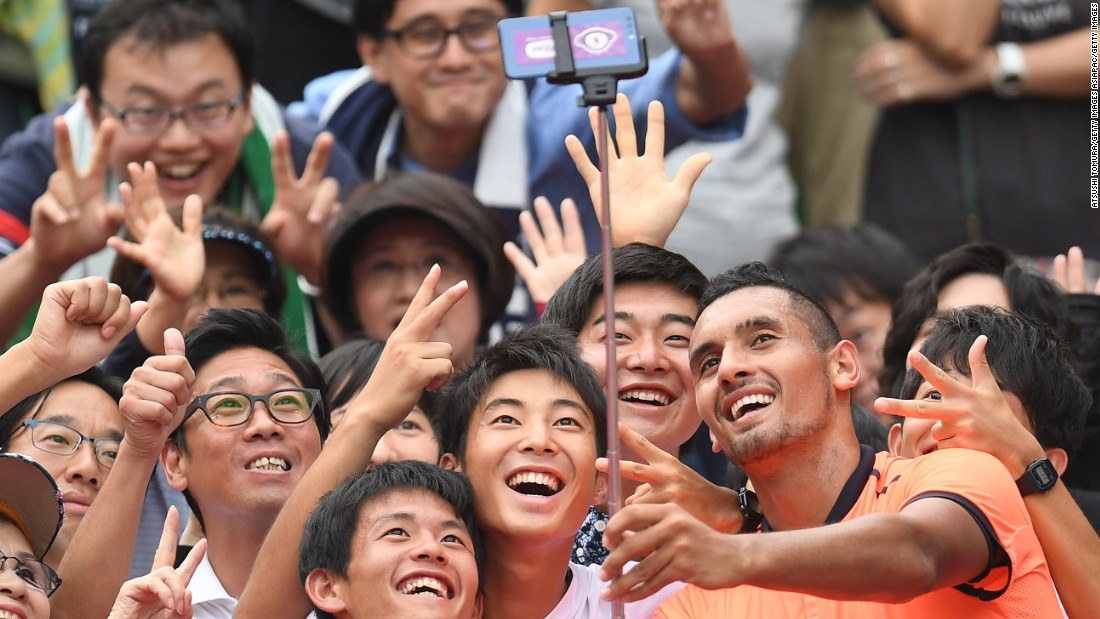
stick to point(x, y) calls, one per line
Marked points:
point(670, 317)
point(750, 324)
point(236, 380)
point(557, 403)
point(142, 89)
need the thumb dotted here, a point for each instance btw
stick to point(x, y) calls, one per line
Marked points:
point(173, 342)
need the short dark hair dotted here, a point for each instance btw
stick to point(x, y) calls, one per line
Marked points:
point(823, 331)
point(536, 347)
point(161, 24)
point(11, 421)
point(571, 305)
point(226, 329)
point(369, 17)
point(1026, 358)
point(829, 263)
point(348, 367)
point(327, 538)
point(1030, 293)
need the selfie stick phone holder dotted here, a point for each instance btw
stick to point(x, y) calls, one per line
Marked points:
point(600, 89)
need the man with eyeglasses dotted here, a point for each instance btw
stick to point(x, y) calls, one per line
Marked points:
point(433, 96)
point(170, 83)
point(254, 424)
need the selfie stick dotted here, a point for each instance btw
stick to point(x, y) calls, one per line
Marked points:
point(600, 90)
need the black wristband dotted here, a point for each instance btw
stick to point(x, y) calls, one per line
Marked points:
point(750, 510)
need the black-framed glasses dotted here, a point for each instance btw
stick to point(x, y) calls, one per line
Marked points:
point(57, 438)
point(426, 38)
point(198, 116)
point(33, 572)
point(234, 408)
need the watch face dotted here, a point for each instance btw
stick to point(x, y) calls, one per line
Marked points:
point(1044, 474)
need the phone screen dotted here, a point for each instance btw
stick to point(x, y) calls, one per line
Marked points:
point(605, 38)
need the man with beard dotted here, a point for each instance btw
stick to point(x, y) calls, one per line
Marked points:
point(846, 532)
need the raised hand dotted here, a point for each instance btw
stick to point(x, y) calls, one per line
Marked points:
point(410, 363)
point(176, 258)
point(645, 204)
point(975, 416)
point(154, 399)
point(1069, 272)
point(79, 323)
point(73, 219)
point(696, 26)
point(162, 593)
point(670, 545)
point(302, 206)
point(558, 249)
point(666, 480)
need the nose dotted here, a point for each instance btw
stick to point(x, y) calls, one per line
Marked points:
point(11, 585)
point(178, 135)
point(734, 368)
point(429, 548)
point(411, 278)
point(454, 53)
point(262, 425)
point(83, 466)
point(537, 439)
point(646, 355)
point(383, 452)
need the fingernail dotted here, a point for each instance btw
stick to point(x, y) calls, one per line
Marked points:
point(604, 576)
point(109, 332)
point(605, 595)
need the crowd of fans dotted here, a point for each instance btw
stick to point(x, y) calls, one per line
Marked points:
point(349, 355)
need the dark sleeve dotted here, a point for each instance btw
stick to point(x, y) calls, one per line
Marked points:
point(26, 162)
point(129, 355)
point(341, 165)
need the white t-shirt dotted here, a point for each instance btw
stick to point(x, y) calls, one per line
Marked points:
point(582, 598)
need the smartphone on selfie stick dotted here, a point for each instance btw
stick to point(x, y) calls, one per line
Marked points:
point(594, 49)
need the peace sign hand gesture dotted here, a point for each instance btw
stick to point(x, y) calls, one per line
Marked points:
point(302, 206)
point(73, 219)
point(162, 593)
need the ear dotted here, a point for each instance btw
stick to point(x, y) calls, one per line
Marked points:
point(370, 52)
point(174, 464)
point(844, 362)
point(599, 491)
point(450, 462)
point(1059, 458)
point(479, 606)
point(325, 591)
point(893, 439)
point(714, 446)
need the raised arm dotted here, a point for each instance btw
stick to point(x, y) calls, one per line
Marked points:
point(175, 258)
point(714, 78)
point(152, 406)
point(409, 364)
point(931, 544)
point(69, 222)
point(977, 416)
point(79, 322)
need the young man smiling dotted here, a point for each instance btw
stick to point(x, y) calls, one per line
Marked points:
point(171, 83)
point(939, 535)
point(425, 100)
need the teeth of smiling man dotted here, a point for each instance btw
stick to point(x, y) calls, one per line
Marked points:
point(8, 615)
point(551, 482)
point(425, 585)
point(756, 398)
point(269, 464)
point(655, 397)
point(180, 170)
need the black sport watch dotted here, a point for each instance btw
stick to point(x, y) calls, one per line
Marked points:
point(1039, 476)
